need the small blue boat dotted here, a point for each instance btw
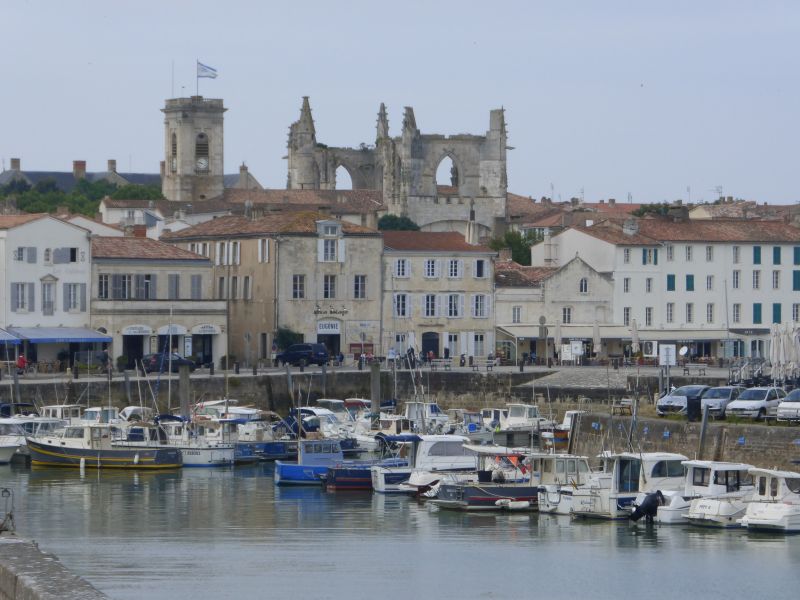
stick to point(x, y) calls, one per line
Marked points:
point(314, 457)
point(358, 475)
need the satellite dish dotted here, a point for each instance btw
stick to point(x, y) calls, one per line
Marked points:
point(683, 351)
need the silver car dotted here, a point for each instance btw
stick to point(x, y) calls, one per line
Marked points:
point(756, 403)
point(718, 398)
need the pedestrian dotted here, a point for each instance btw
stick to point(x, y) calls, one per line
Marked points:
point(22, 364)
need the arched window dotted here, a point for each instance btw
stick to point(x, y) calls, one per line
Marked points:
point(201, 153)
point(173, 153)
point(343, 179)
point(583, 286)
point(446, 179)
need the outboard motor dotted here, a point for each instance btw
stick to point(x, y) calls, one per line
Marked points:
point(649, 507)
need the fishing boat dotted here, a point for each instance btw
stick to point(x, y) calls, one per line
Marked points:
point(775, 503)
point(314, 457)
point(559, 475)
point(90, 445)
point(610, 494)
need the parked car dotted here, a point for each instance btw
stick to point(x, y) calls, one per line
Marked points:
point(161, 362)
point(756, 403)
point(303, 354)
point(676, 401)
point(789, 409)
point(718, 398)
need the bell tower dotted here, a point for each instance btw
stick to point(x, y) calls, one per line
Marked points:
point(193, 149)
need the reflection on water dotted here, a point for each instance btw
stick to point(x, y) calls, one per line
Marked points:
point(201, 533)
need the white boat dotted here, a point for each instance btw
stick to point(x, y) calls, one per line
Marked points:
point(426, 417)
point(558, 475)
point(524, 417)
point(430, 459)
point(19, 426)
point(775, 503)
point(610, 494)
point(716, 493)
point(7, 452)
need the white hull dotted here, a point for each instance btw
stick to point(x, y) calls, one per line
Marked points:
point(7, 452)
point(778, 517)
point(206, 457)
point(602, 504)
point(555, 499)
point(716, 512)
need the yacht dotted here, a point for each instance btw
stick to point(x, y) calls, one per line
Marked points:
point(716, 492)
point(775, 503)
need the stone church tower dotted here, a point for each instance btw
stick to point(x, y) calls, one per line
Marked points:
point(404, 169)
point(193, 149)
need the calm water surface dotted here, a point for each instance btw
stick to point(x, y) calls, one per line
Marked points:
point(201, 533)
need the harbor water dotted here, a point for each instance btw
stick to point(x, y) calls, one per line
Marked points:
point(231, 533)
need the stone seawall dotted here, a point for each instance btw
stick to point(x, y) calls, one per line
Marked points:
point(27, 573)
point(758, 445)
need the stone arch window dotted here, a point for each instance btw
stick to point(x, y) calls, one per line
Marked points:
point(201, 153)
point(344, 180)
point(446, 178)
point(583, 285)
point(173, 153)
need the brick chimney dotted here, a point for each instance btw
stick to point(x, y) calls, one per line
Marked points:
point(112, 165)
point(15, 164)
point(79, 169)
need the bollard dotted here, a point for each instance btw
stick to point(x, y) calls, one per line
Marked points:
point(236, 368)
point(211, 369)
point(521, 367)
point(255, 370)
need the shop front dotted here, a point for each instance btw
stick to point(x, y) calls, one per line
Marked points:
point(135, 343)
point(329, 333)
point(202, 342)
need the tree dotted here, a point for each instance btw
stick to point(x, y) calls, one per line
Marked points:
point(285, 337)
point(137, 192)
point(395, 223)
point(658, 208)
point(519, 244)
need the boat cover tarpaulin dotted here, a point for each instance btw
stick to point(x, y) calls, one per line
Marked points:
point(55, 335)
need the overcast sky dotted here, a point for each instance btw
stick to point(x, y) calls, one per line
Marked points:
point(612, 98)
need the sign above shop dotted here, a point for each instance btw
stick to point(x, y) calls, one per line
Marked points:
point(206, 329)
point(330, 310)
point(137, 330)
point(172, 330)
point(329, 327)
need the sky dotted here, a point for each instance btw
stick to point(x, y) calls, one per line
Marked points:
point(648, 101)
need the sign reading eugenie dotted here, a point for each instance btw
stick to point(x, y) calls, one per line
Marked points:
point(330, 327)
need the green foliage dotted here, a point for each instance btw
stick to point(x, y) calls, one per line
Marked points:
point(519, 244)
point(137, 192)
point(395, 223)
point(286, 337)
point(226, 362)
point(657, 208)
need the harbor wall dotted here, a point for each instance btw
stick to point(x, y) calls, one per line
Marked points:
point(27, 573)
point(757, 444)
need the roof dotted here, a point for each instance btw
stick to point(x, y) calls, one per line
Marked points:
point(10, 221)
point(169, 207)
point(719, 230)
point(612, 232)
point(140, 249)
point(508, 273)
point(429, 241)
point(523, 207)
point(287, 223)
point(339, 201)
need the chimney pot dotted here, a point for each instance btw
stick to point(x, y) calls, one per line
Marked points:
point(243, 168)
point(15, 164)
point(112, 165)
point(79, 169)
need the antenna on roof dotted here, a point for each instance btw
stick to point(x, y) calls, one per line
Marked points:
point(630, 198)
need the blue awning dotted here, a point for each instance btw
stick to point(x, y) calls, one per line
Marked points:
point(7, 338)
point(56, 335)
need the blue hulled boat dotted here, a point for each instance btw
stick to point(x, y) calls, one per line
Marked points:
point(314, 457)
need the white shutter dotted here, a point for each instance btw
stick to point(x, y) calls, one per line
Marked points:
point(320, 250)
point(460, 268)
point(260, 250)
point(488, 306)
point(217, 253)
point(238, 247)
point(266, 250)
point(462, 342)
point(440, 312)
point(461, 305)
point(340, 252)
point(471, 343)
point(437, 268)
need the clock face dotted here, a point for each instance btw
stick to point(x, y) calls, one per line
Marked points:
point(202, 163)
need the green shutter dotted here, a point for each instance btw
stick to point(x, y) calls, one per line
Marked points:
point(757, 313)
point(644, 256)
point(797, 255)
point(776, 255)
point(796, 281)
point(671, 282)
point(776, 312)
point(655, 256)
point(756, 255)
point(690, 283)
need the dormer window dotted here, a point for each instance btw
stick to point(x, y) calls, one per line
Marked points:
point(329, 230)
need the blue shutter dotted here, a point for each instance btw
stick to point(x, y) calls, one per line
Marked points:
point(756, 255)
point(797, 255)
point(644, 256)
point(776, 255)
point(671, 283)
point(796, 281)
point(757, 313)
point(776, 312)
point(690, 283)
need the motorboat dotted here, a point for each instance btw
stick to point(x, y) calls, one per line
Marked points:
point(430, 459)
point(558, 476)
point(90, 445)
point(610, 493)
point(525, 417)
point(493, 418)
point(314, 457)
point(16, 429)
point(426, 417)
point(775, 503)
point(715, 489)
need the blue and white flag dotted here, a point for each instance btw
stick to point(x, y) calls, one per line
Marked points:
point(206, 71)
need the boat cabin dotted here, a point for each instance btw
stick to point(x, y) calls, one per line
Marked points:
point(319, 452)
point(706, 477)
point(524, 416)
point(435, 452)
point(635, 472)
point(91, 437)
point(65, 412)
point(775, 486)
point(560, 469)
point(426, 416)
point(100, 414)
point(494, 417)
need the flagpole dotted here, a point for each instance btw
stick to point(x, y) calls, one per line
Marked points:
point(197, 76)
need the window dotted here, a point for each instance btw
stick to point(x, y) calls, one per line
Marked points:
point(709, 282)
point(776, 280)
point(626, 316)
point(756, 255)
point(516, 314)
point(263, 250)
point(648, 285)
point(329, 230)
point(359, 287)
point(776, 312)
point(201, 153)
point(756, 279)
point(796, 260)
point(480, 268)
point(710, 312)
point(221, 288)
point(757, 313)
point(737, 313)
point(430, 305)
point(626, 285)
point(400, 305)
point(689, 312)
point(48, 298)
point(329, 287)
point(144, 287)
point(670, 253)
point(234, 293)
point(454, 269)
point(690, 283)
point(583, 286)
point(776, 255)
point(670, 312)
point(197, 287)
point(121, 288)
point(401, 267)
point(737, 275)
point(48, 256)
point(479, 308)
point(454, 305)
point(173, 160)
point(329, 250)
point(795, 312)
point(72, 300)
point(737, 253)
point(648, 316)
point(430, 269)
point(689, 250)
point(246, 288)
point(626, 255)
point(477, 340)
point(298, 287)
point(709, 253)
point(670, 282)
point(19, 297)
point(649, 256)
point(174, 281)
point(566, 315)
point(102, 286)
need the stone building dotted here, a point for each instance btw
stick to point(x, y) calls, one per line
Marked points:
point(404, 169)
point(438, 294)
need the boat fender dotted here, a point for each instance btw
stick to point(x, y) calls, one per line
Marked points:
point(136, 459)
point(83, 464)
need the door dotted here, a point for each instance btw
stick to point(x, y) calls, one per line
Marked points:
point(628, 475)
point(430, 343)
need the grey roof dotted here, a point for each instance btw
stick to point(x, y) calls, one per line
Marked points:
point(65, 180)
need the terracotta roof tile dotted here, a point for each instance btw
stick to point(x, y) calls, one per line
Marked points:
point(508, 273)
point(140, 249)
point(719, 230)
point(429, 241)
point(611, 232)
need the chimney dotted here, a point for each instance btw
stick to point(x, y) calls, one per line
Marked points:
point(242, 169)
point(112, 165)
point(612, 201)
point(79, 169)
point(504, 255)
point(15, 162)
point(128, 229)
point(630, 227)
point(163, 168)
point(140, 231)
point(243, 176)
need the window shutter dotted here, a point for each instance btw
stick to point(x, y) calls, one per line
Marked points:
point(14, 293)
point(461, 305)
point(31, 254)
point(153, 288)
point(83, 297)
point(487, 306)
point(460, 268)
point(218, 253)
point(31, 298)
point(320, 250)
point(238, 246)
point(60, 255)
point(261, 250)
point(437, 268)
point(644, 256)
point(116, 287)
point(196, 283)
point(462, 342)
point(796, 281)
point(655, 256)
point(266, 250)
point(65, 294)
point(340, 252)
point(138, 286)
point(439, 304)
point(471, 343)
